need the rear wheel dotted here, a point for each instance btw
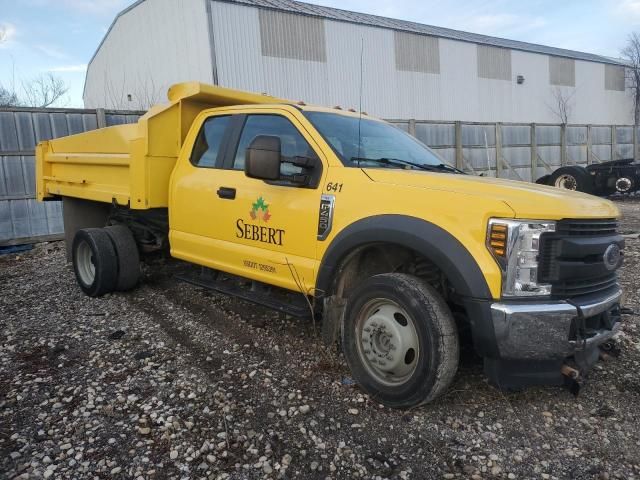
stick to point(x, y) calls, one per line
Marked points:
point(572, 178)
point(128, 256)
point(400, 340)
point(94, 261)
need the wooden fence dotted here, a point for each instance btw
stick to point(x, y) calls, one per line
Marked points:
point(523, 151)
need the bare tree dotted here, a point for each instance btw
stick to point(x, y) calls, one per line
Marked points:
point(147, 92)
point(561, 106)
point(8, 98)
point(124, 95)
point(631, 53)
point(43, 91)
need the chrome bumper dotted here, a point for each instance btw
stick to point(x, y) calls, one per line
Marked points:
point(542, 330)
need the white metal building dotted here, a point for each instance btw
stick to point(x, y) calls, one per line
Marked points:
point(302, 51)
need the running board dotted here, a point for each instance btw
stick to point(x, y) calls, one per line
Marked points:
point(290, 303)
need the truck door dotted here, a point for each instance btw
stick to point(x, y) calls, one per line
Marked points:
point(246, 226)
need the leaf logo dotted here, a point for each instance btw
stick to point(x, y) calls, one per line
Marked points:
point(260, 210)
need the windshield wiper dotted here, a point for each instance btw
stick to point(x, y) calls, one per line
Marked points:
point(389, 161)
point(405, 163)
point(449, 168)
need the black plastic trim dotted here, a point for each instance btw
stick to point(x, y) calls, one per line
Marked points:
point(236, 127)
point(439, 246)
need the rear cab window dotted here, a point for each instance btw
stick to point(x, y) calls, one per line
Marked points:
point(207, 151)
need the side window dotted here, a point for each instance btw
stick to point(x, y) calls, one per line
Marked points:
point(292, 142)
point(207, 147)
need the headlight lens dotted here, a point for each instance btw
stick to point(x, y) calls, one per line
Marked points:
point(515, 245)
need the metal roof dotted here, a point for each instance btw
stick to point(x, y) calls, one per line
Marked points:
point(413, 27)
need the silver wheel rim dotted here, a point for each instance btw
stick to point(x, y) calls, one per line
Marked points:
point(566, 181)
point(85, 263)
point(387, 342)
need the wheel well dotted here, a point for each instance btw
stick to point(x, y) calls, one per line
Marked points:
point(373, 259)
point(383, 257)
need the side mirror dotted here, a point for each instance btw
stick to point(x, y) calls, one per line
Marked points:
point(263, 158)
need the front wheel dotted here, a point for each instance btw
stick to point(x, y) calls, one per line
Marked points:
point(400, 340)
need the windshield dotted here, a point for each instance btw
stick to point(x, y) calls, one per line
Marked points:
point(378, 141)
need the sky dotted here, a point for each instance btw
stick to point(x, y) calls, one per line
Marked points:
point(60, 36)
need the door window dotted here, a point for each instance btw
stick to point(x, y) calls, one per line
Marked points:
point(292, 142)
point(207, 148)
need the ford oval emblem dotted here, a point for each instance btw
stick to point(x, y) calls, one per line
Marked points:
point(611, 257)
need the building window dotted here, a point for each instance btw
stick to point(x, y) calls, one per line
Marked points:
point(417, 53)
point(286, 35)
point(614, 78)
point(562, 71)
point(494, 62)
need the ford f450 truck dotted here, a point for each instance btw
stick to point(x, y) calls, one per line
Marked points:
point(354, 220)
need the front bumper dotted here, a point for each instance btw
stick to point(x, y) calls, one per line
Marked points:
point(552, 330)
point(527, 342)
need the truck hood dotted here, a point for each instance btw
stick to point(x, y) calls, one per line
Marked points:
point(527, 200)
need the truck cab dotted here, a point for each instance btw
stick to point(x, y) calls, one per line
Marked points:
point(395, 251)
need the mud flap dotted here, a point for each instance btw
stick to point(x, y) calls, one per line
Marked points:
point(333, 313)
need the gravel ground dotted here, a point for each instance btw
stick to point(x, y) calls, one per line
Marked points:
point(172, 381)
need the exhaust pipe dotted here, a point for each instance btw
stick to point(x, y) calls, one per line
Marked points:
point(570, 372)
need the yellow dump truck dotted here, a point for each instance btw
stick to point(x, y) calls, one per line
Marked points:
point(343, 215)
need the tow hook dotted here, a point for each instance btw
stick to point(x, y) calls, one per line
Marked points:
point(609, 350)
point(572, 379)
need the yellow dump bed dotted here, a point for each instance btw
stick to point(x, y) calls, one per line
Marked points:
point(131, 164)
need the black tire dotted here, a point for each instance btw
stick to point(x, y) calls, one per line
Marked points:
point(544, 180)
point(128, 256)
point(431, 368)
point(572, 178)
point(94, 261)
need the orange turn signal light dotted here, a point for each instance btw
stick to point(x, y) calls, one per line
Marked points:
point(498, 239)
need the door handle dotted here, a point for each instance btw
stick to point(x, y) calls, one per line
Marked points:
point(226, 192)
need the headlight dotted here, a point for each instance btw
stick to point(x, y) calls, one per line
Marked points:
point(515, 245)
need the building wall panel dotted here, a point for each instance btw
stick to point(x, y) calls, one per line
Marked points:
point(416, 53)
point(286, 35)
point(614, 78)
point(150, 47)
point(297, 60)
point(562, 71)
point(393, 87)
point(494, 62)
